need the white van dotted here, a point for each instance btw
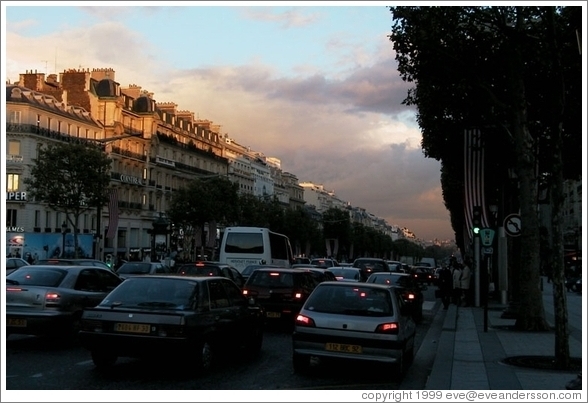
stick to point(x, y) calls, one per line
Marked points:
point(244, 246)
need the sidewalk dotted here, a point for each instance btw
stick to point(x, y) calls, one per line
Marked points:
point(468, 358)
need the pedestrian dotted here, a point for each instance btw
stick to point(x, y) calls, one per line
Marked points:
point(464, 282)
point(30, 259)
point(456, 272)
point(445, 286)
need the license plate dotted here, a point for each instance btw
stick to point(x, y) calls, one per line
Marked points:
point(343, 348)
point(132, 328)
point(16, 322)
point(273, 314)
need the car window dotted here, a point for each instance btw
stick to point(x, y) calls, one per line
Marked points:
point(40, 277)
point(11, 264)
point(234, 293)
point(355, 301)
point(108, 280)
point(88, 280)
point(274, 279)
point(134, 268)
point(159, 269)
point(218, 295)
point(153, 293)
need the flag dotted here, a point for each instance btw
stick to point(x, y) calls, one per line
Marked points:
point(112, 213)
point(474, 177)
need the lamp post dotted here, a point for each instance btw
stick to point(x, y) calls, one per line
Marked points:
point(158, 236)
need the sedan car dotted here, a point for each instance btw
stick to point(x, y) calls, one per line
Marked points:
point(179, 317)
point(357, 322)
point(422, 275)
point(206, 268)
point(324, 262)
point(141, 268)
point(410, 290)
point(369, 265)
point(347, 274)
point(43, 300)
point(13, 263)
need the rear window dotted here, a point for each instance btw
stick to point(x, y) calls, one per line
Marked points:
point(193, 270)
point(134, 268)
point(346, 274)
point(245, 242)
point(40, 277)
point(322, 262)
point(354, 301)
point(272, 279)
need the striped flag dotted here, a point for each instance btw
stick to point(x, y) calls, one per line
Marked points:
point(112, 213)
point(474, 178)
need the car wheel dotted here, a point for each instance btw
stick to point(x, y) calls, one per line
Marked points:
point(103, 359)
point(204, 357)
point(301, 363)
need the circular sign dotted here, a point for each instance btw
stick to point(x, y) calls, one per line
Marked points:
point(512, 225)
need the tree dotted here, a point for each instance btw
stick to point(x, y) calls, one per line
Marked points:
point(489, 67)
point(71, 178)
point(337, 225)
point(201, 202)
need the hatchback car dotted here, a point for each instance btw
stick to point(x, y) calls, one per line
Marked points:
point(280, 291)
point(13, 263)
point(44, 300)
point(207, 268)
point(423, 275)
point(142, 268)
point(252, 267)
point(369, 265)
point(410, 290)
point(357, 322)
point(191, 318)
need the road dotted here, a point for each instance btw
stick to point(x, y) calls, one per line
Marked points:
point(35, 363)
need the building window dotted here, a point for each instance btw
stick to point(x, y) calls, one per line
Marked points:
point(13, 147)
point(14, 117)
point(144, 199)
point(11, 217)
point(144, 173)
point(37, 218)
point(47, 219)
point(87, 133)
point(12, 182)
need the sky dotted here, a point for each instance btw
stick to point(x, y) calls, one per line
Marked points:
point(314, 84)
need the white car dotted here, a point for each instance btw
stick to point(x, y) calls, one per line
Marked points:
point(13, 263)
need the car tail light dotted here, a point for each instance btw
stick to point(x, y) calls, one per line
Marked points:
point(410, 296)
point(13, 289)
point(302, 320)
point(388, 328)
point(92, 326)
point(297, 295)
point(170, 331)
point(250, 293)
point(52, 299)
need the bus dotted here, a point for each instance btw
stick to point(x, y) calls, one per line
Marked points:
point(244, 246)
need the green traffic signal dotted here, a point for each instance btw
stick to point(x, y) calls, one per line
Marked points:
point(476, 230)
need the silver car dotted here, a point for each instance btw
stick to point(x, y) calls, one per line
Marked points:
point(43, 300)
point(357, 322)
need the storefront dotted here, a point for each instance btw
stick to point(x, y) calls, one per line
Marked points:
point(45, 245)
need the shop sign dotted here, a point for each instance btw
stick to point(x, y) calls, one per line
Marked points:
point(16, 196)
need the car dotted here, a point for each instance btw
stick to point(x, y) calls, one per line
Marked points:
point(411, 291)
point(75, 262)
point(252, 267)
point(13, 263)
point(301, 260)
point(347, 274)
point(280, 291)
point(364, 322)
point(320, 274)
point(324, 262)
point(422, 274)
point(369, 265)
point(129, 269)
point(50, 299)
point(193, 319)
point(208, 268)
point(395, 265)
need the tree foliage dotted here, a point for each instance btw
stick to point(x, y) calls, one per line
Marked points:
point(71, 178)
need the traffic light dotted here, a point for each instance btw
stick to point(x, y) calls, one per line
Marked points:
point(477, 220)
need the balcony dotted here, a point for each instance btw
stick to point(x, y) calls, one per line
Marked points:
point(132, 131)
point(127, 153)
point(14, 158)
point(47, 133)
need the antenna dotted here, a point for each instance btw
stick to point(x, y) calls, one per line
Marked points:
point(55, 60)
point(45, 65)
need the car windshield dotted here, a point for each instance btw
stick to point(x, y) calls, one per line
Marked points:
point(322, 262)
point(48, 277)
point(193, 270)
point(355, 301)
point(153, 293)
point(403, 281)
point(134, 268)
point(273, 279)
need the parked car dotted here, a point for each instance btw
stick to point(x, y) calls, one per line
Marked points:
point(141, 269)
point(252, 267)
point(208, 268)
point(369, 265)
point(13, 263)
point(49, 299)
point(409, 289)
point(73, 262)
point(324, 262)
point(280, 291)
point(180, 317)
point(347, 274)
point(357, 322)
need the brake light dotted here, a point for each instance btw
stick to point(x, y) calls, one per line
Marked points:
point(302, 320)
point(274, 274)
point(13, 289)
point(52, 299)
point(297, 295)
point(410, 296)
point(249, 293)
point(388, 328)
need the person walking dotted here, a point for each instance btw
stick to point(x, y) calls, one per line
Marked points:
point(456, 272)
point(445, 286)
point(464, 282)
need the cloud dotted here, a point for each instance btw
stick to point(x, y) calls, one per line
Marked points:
point(293, 18)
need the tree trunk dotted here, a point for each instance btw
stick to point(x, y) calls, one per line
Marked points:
point(531, 314)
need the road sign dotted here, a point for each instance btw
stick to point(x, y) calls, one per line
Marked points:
point(512, 225)
point(486, 236)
